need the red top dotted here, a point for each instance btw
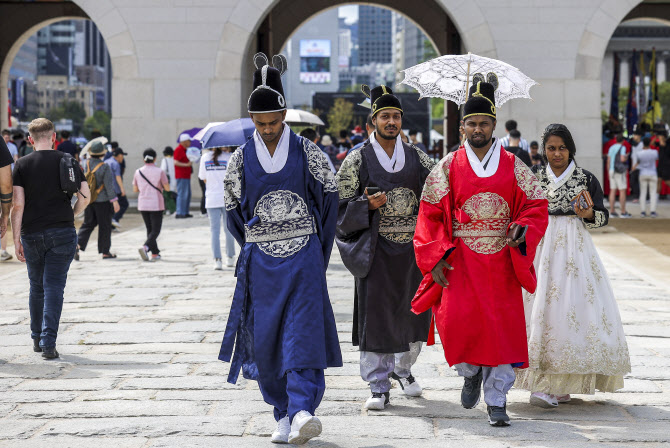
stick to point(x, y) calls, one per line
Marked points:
point(181, 172)
point(480, 316)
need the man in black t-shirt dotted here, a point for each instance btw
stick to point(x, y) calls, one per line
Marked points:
point(6, 161)
point(67, 145)
point(47, 239)
point(514, 140)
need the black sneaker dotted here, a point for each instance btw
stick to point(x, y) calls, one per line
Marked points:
point(498, 415)
point(36, 345)
point(49, 353)
point(472, 390)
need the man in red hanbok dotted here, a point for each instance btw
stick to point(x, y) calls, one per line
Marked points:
point(481, 217)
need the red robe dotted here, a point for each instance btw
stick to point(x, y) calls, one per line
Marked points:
point(480, 316)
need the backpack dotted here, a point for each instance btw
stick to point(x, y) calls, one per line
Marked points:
point(70, 180)
point(92, 182)
point(619, 165)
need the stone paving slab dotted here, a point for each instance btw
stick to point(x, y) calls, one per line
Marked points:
point(139, 366)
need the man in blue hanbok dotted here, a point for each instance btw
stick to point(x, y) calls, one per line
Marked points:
point(281, 202)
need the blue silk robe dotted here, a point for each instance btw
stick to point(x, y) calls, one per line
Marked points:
point(281, 318)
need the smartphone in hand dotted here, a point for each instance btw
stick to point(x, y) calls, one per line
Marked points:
point(372, 190)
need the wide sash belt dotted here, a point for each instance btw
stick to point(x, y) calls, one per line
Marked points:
point(481, 228)
point(397, 224)
point(263, 232)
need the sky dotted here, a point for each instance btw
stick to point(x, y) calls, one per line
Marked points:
point(349, 12)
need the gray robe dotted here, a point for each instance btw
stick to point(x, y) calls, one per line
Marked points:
point(376, 247)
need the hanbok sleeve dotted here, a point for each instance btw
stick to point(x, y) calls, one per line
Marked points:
point(427, 164)
point(530, 209)
point(601, 214)
point(433, 238)
point(232, 184)
point(324, 190)
point(356, 232)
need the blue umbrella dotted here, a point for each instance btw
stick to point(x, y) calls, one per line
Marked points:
point(230, 133)
point(191, 132)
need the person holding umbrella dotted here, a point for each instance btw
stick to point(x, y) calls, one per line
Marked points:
point(481, 218)
point(281, 203)
point(182, 172)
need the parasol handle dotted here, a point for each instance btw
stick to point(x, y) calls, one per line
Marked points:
point(467, 78)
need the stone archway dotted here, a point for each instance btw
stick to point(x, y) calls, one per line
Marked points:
point(31, 17)
point(452, 25)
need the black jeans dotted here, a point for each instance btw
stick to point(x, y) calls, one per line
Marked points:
point(48, 256)
point(153, 222)
point(203, 187)
point(123, 206)
point(635, 184)
point(97, 214)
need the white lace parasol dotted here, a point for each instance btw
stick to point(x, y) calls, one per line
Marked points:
point(450, 77)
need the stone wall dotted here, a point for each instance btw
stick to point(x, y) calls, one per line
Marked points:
point(179, 65)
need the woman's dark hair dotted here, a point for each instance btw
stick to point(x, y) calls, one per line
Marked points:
point(168, 151)
point(149, 155)
point(559, 130)
point(646, 141)
point(215, 157)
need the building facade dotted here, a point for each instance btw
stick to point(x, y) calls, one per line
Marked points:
point(313, 60)
point(182, 64)
point(375, 35)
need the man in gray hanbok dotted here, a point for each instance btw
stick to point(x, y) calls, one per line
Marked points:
point(379, 186)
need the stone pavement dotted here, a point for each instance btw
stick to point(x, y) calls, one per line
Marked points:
point(138, 368)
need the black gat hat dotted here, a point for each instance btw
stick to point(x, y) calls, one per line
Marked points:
point(268, 93)
point(381, 98)
point(481, 98)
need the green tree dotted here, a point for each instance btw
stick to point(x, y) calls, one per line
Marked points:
point(437, 108)
point(664, 99)
point(429, 51)
point(100, 121)
point(69, 110)
point(340, 116)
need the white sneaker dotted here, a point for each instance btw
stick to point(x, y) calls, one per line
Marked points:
point(230, 262)
point(116, 224)
point(144, 253)
point(218, 266)
point(281, 433)
point(377, 401)
point(5, 256)
point(543, 400)
point(304, 427)
point(408, 385)
point(562, 398)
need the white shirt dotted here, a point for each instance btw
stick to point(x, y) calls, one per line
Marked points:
point(13, 151)
point(396, 162)
point(523, 143)
point(636, 150)
point(167, 165)
point(646, 162)
point(273, 163)
point(214, 174)
point(491, 159)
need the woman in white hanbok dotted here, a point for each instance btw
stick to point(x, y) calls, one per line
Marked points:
point(576, 342)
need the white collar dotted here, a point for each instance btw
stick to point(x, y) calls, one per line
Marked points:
point(274, 163)
point(492, 157)
point(557, 182)
point(396, 162)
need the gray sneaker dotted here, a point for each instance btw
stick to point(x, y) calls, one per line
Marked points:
point(498, 415)
point(5, 256)
point(472, 390)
